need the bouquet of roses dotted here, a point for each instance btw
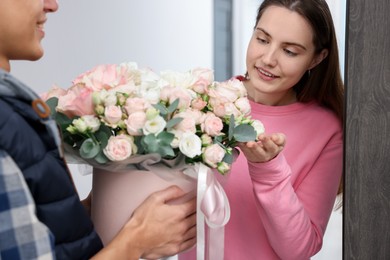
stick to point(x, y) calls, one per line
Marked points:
point(116, 111)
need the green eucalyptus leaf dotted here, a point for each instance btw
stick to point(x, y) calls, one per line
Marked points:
point(63, 121)
point(244, 133)
point(150, 144)
point(138, 141)
point(102, 137)
point(160, 107)
point(165, 138)
point(166, 150)
point(231, 127)
point(172, 107)
point(228, 158)
point(89, 149)
point(218, 139)
point(174, 121)
point(101, 158)
point(52, 103)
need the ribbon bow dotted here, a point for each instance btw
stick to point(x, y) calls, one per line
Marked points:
point(213, 209)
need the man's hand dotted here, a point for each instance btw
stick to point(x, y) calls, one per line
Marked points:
point(156, 229)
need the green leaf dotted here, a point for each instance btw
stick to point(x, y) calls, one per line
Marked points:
point(244, 133)
point(166, 150)
point(172, 107)
point(101, 158)
point(174, 121)
point(165, 138)
point(89, 149)
point(63, 120)
point(228, 158)
point(149, 142)
point(163, 110)
point(102, 137)
point(138, 140)
point(231, 127)
point(52, 103)
point(218, 139)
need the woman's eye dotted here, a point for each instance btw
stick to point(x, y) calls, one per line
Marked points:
point(261, 40)
point(290, 53)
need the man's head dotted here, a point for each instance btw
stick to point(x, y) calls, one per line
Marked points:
point(22, 29)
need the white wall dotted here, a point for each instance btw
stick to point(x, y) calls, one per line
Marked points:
point(169, 34)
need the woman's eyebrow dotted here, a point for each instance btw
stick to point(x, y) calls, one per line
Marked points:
point(287, 43)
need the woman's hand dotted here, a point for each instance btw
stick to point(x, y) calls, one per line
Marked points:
point(264, 150)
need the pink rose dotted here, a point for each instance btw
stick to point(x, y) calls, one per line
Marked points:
point(188, 124)
point(196, 114)
point(165, 93)
point(120, 148)
point(219, 109)
point(201, 86)
point(53, 92)
point(112, 114)
point(136, 104)
point(203, 78)
point(101, 77)
point(198, 103)
point(212, 125)
point(183, 95)
point(231, 109)
point(213, 154)
point(76, 102)
point(230, 90)
point(243, 105)
point(135, 122)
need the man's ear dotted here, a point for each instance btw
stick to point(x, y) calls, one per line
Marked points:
point(318, 58)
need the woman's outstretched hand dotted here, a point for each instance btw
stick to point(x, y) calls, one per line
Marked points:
point(264, 150)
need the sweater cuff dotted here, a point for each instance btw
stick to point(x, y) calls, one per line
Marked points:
point(275, 170)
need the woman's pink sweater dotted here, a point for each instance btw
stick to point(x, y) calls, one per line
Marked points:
point(280, 209)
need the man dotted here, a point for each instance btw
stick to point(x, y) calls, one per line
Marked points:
point(41, 216)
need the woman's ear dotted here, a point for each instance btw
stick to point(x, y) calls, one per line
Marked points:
point(318, 58)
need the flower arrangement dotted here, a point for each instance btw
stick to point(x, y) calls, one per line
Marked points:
point(116, 111)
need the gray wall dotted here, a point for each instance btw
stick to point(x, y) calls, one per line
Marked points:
point(367, 157)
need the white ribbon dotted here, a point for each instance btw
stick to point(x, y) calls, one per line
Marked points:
point(213, 209)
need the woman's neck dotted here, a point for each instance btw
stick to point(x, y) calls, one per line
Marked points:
point(272, 99)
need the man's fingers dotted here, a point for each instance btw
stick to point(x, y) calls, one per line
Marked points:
point(170, 193)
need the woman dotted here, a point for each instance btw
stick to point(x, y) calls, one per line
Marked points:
point(282, 189)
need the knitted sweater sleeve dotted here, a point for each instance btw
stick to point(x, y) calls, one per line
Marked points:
point(295, 217)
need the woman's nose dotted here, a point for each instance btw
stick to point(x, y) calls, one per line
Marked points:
point(270, 57)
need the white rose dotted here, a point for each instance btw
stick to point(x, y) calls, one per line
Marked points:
point(258, 126)
point(110, 99)
point(154, 126)
point(92, 122)
point(190, 145)
point(178, 79)
point(150, 92)
point(80, 125)
point(176, 140)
